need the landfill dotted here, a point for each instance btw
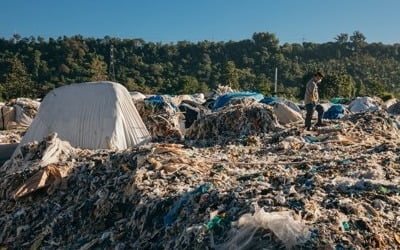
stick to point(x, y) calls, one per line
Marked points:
point(237, 178)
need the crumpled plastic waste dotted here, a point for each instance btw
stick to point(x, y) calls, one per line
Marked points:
point(289, 231)
point(340, 192)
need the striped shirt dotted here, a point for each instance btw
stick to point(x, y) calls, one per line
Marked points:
point(311, 94)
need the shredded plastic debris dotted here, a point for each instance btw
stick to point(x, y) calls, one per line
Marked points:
point(233, 121)
point(256, 184)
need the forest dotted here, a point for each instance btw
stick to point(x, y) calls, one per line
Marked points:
point(32, 66)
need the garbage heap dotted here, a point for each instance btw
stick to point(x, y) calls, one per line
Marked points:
point(30, 107)
point(18, 113)
point(162, 119)
point(233, 121)
point(11, 136)
point(333, 188)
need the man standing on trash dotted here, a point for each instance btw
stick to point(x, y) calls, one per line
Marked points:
point(311, 99)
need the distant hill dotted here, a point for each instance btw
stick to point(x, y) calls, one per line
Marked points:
point(33, 66)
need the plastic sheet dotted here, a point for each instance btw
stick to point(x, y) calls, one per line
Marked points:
point(282, 224)
point(89, 115)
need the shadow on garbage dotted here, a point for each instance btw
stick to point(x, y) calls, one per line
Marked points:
point(103, 206)
point(6, 151)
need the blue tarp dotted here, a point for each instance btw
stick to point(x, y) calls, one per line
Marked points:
point(156, 99)
point(224, 99)
point(270, 100)
point(160, 101)
point(334, 112)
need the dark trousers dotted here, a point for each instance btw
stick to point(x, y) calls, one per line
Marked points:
point(310, 111)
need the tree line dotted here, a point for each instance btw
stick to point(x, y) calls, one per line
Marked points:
point(32, 66)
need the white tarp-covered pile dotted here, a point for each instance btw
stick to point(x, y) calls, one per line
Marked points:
point(137, 96)
point(364, 104)
point(89, 115)
point(25, 111)
point(285, 114)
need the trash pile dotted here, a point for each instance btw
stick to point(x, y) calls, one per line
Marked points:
point(18, 113)
point(192, 111)
point(161, 117)
point(11, 136)
point(30, 107)
point(229, 98)
point(365, 104)
point(233, 121)
point(336, 187)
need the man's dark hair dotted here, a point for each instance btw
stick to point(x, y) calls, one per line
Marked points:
point(320, 74)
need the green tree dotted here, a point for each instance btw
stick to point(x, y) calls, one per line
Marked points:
point(342, 41)
point(230, 75)
point(263, 85)
point(131, 85)
point(190, 85)
point(360, 89)
point(342, 38)
point(337, 85)
point(247, 80)
point(98, 69)
point(17, 81)
point(357, 41)
point(375, 87)
point(158, 68)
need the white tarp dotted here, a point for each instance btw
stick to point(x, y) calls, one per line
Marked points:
point(363, 104)
point(21, 118)
point(386, 105)
point(136, 96)
point(89, 115)
point(285, 114)
point(292, 105)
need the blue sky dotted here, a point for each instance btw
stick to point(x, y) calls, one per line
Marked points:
point(292, 21)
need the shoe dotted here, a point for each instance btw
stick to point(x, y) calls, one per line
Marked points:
point(320, 124)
